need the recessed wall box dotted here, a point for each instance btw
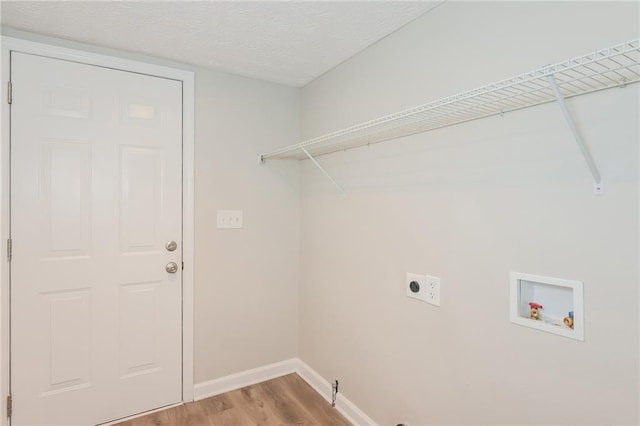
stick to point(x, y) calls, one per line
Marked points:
point(553, 305)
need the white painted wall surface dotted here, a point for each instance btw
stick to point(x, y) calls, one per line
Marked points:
point(246, 280)
point(469, 204)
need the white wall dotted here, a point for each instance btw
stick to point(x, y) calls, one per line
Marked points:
point(245, 280)
point(469, 204)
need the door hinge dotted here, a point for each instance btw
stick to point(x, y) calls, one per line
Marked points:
point(9, 93)
point(9, 249)
point(183, 266)
point(9, 405)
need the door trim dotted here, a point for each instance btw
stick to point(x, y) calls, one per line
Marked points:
point(187, 78)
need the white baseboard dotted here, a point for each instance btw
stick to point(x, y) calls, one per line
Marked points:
point(294, 365)
point(244, 378)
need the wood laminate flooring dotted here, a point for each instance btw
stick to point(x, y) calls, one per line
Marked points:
point(287, 400)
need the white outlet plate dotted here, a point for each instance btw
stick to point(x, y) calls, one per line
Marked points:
point(429, 291)
point(229, 219)
point(433, 290)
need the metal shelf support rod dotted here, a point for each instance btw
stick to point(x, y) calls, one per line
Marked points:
point(322, 170)
point(593, 168)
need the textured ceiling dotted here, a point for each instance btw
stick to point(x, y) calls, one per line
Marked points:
point(289, 42)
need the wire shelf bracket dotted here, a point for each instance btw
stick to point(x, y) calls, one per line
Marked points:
point(262, 160)
point(615, 66)
point(314, 161)
point(584, 149)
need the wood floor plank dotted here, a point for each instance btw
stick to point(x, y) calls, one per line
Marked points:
point(178, 415)
point(320, 411)
point(155, 419)
point(221, 411)
point(285, 401)
point(255, 403)
point(290, 409)
point(298, 412)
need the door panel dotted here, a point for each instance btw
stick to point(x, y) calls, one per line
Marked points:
point(70, 339)
point(138, 318)
point(96, 193)
point(140, 199)
point(66, 102)
point(66, 193)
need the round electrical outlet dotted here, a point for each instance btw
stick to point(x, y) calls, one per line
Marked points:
point(414, 286)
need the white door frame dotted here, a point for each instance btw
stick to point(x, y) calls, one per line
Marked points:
point(10, 44)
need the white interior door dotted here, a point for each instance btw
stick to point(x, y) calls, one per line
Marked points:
point(95, 196)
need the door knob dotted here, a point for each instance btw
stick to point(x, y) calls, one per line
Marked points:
point(171, 245)
point(172, 267)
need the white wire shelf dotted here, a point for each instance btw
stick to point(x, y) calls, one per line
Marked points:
point(615, 66)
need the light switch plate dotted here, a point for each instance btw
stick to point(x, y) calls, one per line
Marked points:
point(229, 219)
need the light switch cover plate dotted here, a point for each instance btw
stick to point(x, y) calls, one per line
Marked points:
point(229, 219)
